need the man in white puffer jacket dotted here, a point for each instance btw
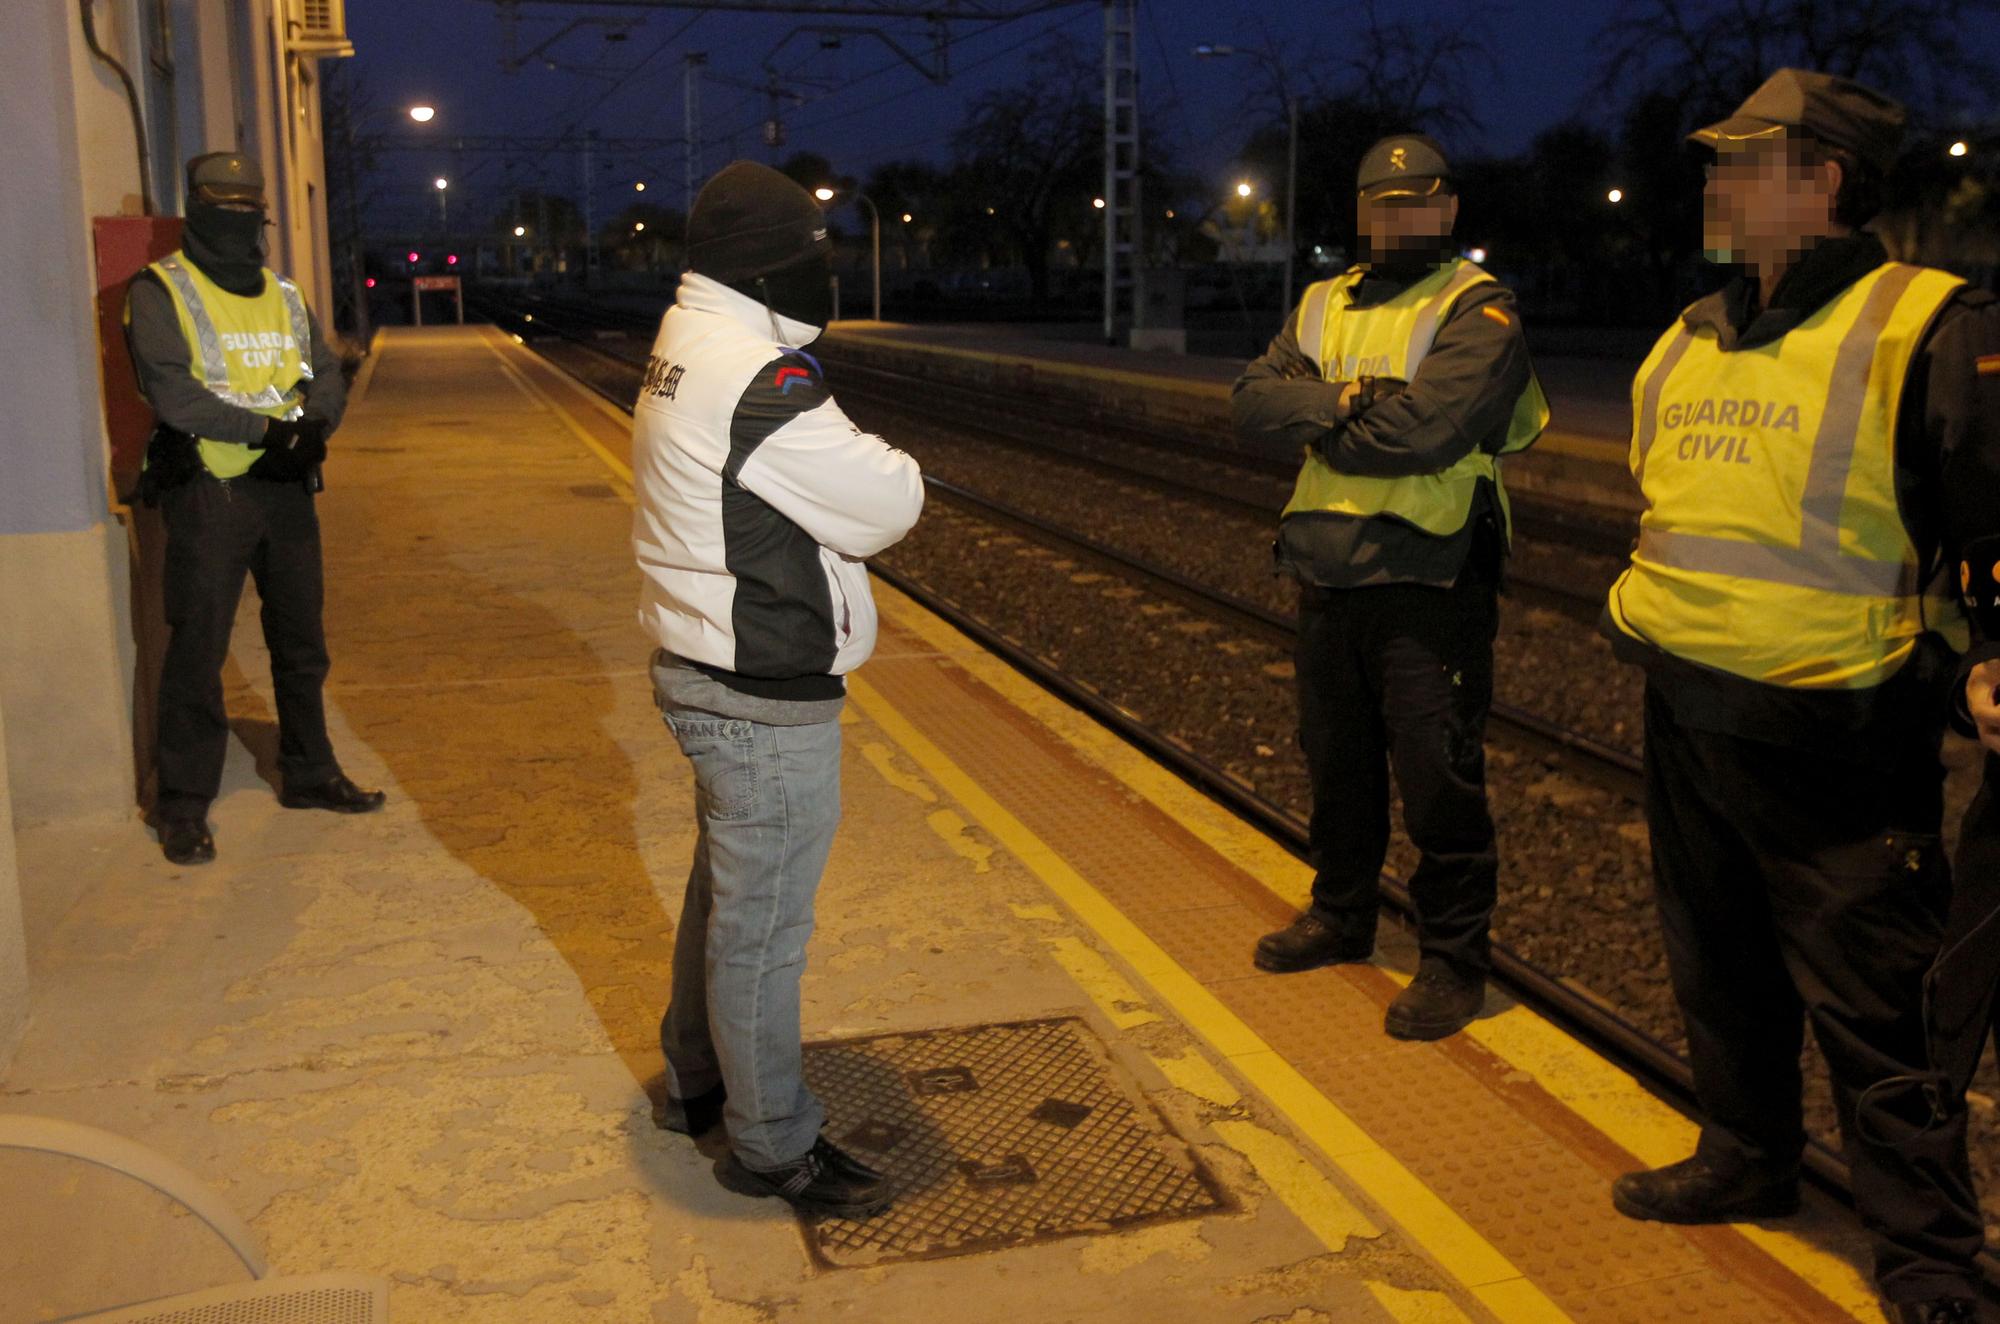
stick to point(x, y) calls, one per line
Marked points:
point(758, 500)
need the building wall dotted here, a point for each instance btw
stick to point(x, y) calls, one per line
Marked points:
point(67, 559)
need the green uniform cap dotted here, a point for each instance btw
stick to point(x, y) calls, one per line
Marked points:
point(1403, 165)
point(225, 177)
point(1837, 111)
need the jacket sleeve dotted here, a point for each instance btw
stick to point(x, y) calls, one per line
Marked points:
point(792, 447)
point(1960, 363)
point(1281, 399)
point(1462, 395)
point(166, 374)
point(326, 393)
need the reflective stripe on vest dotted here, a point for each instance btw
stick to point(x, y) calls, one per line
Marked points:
point(1772, 546)
point(206, 342)
point(1392, 339)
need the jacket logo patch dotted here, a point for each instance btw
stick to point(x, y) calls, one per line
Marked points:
point(787, 378)
point(663, 379)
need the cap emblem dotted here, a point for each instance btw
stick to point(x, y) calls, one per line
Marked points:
point(1399, 158)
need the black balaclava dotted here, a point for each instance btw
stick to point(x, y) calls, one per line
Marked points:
point(762, 235)
point(802, 291)
point(227, 243)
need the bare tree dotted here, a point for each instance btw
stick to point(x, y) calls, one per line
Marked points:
point(1712, 53)
point(1035, 150)
point(1419, 75)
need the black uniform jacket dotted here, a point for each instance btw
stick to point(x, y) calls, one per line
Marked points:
point(1947, 487)
point(1461, 398)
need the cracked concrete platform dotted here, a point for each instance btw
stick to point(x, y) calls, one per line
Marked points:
point(418, 1043)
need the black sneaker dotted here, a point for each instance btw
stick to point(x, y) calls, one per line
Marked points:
point(824, 1180)
point(1440, 1001)
point(696, 1115)
point(1937, 1310)
point(1698, 1191)
point(1310, 941)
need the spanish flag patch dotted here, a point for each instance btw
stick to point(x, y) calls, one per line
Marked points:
point(1505, 320)
point(1988, 365)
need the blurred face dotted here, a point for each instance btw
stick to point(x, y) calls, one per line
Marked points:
point(1409, 228)
point(1764, 197)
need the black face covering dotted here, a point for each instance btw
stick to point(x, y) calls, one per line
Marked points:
point(802, 291)
point(227, 243)
point(1409, 255)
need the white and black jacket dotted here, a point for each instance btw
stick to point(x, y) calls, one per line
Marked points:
point(757, 501)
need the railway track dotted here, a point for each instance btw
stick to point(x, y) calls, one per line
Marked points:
point(1614, 769)
point(1561, 999)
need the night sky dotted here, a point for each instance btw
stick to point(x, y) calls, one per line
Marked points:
point(448, 53)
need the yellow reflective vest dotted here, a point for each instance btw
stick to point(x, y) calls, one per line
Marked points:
point(1771, 546)
point(1390, 339)
point(252, 351)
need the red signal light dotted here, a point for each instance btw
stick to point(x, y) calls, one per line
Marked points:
point(413, 255)
point(451, 259)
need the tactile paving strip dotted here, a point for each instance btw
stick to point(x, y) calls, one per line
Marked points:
point(994, 1136)
point(1478, 1151)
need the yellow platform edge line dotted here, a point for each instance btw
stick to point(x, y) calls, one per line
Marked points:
point(1602, 1095)
point(1605, 1097)
point(1449, 1240)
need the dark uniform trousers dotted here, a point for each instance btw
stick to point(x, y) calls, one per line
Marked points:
point(1797, 886)
point(1401, 674)
point(216, 532)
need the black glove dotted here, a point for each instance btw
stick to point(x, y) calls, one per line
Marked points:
point(172, 460)
point(292, 449)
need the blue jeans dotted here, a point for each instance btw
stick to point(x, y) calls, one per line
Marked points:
point(767, 801)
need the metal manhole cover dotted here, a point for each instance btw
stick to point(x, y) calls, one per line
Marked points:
point(993, 1136)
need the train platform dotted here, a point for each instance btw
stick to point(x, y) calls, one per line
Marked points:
point(1581, 458)
point(422, 1044)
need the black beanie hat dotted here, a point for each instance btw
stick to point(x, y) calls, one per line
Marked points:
point(750, 220)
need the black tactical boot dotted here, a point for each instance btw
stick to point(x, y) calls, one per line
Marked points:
point(340, 795)
point(1698, 1191)
point(1440, 1001)
point(824, 1180)
point(1937, 1310)
point(696, 1115)
point(1310, 941)
point(185, 839)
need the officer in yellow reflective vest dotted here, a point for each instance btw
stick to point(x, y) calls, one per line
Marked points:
point(1792, 436)
point(246, 390)
point(1402, 382)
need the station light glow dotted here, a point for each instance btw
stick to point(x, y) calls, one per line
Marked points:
point(1243, 190)
point(638, 226)
point(823, 193)
point(1959, 148)
point(520, 231)
point(907, 218)
point(441, 182)
point(1097, 203)
point(639, 187)
point(422, 114)
point(1615, 195)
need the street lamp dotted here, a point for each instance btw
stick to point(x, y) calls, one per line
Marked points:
point(639, 187)
point(637, 226)
point(520, 232)
point(422, 114)
point(444, 211)
point(1097, 203)
point(1959, 148)
point(1210, 51)
point(825, 194)
point(1615, 195)
point(1243, 189)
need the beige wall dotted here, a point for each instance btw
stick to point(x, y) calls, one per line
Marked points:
point(67, 648)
